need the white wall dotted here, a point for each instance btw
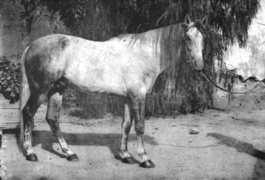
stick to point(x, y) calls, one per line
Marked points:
point(250, 61)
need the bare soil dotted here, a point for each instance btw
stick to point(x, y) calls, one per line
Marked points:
point(230, 145)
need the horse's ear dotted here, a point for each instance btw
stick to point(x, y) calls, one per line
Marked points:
point(187, 19)
point(204, 20)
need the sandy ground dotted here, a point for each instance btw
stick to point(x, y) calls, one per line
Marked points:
point(230, 145)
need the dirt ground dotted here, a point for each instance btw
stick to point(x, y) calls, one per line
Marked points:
point(230, 145)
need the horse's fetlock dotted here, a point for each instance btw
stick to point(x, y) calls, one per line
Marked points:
point(124, 153)
point(26, 145)
point(27, 133)
point(141, 152)
point(65, 150)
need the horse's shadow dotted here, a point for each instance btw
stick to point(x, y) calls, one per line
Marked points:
point(111, 140)
point(243, 147)
point(240, 146)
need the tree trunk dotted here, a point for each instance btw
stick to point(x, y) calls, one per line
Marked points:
point(102, 22)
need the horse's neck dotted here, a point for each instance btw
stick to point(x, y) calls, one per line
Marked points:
point(168, 57)
point(164, 64)
point(170, 46)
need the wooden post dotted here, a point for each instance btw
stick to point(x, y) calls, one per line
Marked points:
point(1, 137)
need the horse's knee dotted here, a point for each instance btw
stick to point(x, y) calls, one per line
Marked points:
point(139, 128)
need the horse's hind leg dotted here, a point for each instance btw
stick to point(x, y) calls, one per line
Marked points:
point(126, 127)
point(28, 115)
point(55, 97)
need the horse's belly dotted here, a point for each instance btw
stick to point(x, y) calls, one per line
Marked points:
point(104, 88)
point(93, 83)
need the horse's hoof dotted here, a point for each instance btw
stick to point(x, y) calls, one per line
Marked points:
point(32, 157)
point(128, 160)
point(73, 157)
point(147, 164)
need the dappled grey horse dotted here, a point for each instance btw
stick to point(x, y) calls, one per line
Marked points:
point(127, 65)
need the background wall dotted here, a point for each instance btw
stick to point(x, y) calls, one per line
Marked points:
point(250, 60)
point(13, 34)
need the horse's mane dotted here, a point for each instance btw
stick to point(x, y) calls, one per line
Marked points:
point(172, 43)
point(169, 41)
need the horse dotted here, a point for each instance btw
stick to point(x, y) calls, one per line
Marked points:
point(127, 65)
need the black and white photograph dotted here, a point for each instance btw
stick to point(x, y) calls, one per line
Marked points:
point(132, 89)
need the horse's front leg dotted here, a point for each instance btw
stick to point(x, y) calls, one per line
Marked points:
point(139, 115)
point(126, 127)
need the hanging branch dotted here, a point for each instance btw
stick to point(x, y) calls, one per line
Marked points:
point(260, 23)
point(157, 22)
point(29, 7)
point(140, 25)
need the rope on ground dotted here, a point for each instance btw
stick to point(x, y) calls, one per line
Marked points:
point(206, 146)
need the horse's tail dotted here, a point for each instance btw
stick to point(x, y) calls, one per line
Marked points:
point(24, 95)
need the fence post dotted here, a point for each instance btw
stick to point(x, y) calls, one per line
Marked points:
point(1, 135)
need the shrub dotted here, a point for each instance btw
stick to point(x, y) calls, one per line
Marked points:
point(9, 79)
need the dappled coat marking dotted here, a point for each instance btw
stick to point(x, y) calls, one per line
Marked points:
point(126, 65)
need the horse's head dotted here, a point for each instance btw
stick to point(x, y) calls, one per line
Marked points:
point(194, 37)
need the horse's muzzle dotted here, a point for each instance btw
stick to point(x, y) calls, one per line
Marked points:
point(198, 65)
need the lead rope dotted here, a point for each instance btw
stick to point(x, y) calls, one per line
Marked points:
point(203, 146)
point(211, 81)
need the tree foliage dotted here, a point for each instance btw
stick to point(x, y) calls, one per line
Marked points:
point(229, 19)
